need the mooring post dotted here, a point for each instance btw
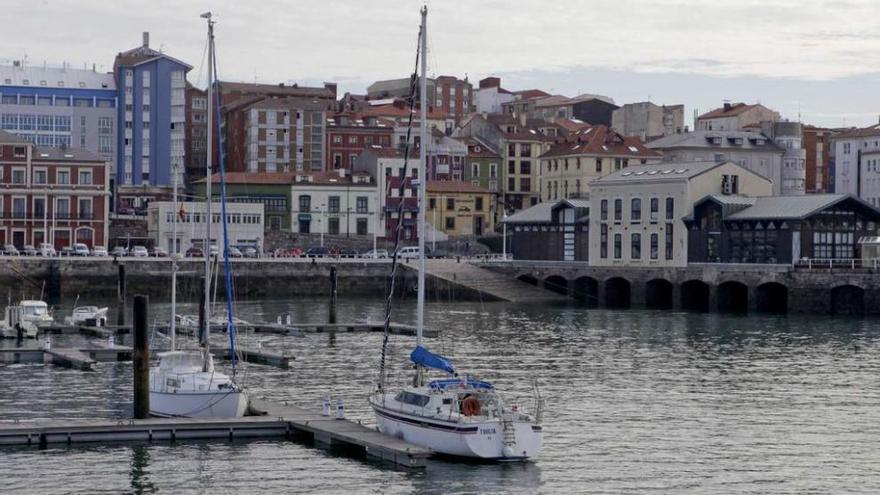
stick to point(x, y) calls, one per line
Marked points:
point(141, 358)
point(120, 293)
point(333, 285)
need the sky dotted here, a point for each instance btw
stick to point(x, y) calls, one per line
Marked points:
point(813, 60)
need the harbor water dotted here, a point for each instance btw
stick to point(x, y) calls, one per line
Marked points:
point(636, 401)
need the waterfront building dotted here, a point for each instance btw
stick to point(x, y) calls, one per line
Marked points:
point(459, 208)
point(571, 163)
point(648, 121)
point(779, 229)
point(60, 107)
point(393, 172)
point(349, 133)
point(551, 231)
point(481, 166)
point(196, 148)
point(749, 149)
point(52, 195)
point(636, 213)
point(151, 118)
point(244, 224)
point(857, 163)
point(335, 203)
point(454, 96)
point(735, 117)
point(270, 189)
point(489, 97)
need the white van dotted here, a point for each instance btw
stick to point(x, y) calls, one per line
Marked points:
point(80, 249)
point(408, 252)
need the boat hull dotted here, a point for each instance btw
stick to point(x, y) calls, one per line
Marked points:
point(480, 440)
point(208, 404)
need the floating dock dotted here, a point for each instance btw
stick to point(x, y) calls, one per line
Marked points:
point(394, 328)
point(258, 356)
point(82, 359)
point(273, 420)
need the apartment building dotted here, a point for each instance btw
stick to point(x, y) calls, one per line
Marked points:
point(196, 148)
point(648, 121)
point(454, 96)
point(336, 203)
point(348, 134)
point(857, 163)
point(735, 117)
point(459, 208)
point(482, 165)
point(489, 97)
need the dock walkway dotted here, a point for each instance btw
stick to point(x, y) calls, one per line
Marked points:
point(494, 286)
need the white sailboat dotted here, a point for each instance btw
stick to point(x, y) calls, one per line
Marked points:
point(457, 416)
point(185, 382)
point(85, 315)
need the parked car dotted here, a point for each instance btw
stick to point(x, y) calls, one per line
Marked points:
point(139, 252)
point(158, 252)
point(10, 250)
point(99, 251)
point(293, 252)
point(80, 249)
point(119, 251)
point(47, 249)
point(125, 210)
point(408, 252)
point(378, 253)
point(250, 252)
point(29, 251)
point(195, 252)
point(233, 252)
point(67, 251)
point(317, 252)
point(347, 253)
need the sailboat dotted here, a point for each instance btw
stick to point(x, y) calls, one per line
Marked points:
point(185, 382)
point(457, 415)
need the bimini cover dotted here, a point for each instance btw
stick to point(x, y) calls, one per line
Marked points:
point(428, 359)
point(458, 382)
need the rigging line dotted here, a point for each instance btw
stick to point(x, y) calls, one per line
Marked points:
point(202, 63)
point(400, 206)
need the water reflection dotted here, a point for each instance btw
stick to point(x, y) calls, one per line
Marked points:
point(140, 472)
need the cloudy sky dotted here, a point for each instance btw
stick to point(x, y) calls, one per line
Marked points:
point(819, 59)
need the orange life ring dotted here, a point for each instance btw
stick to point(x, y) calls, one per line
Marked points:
point(470, 406)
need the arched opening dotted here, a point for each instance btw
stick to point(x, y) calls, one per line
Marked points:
point(528, 279)
point(847, 300)
point(658, 294)
point(617, 293)
point(695, 296)
point(733, 297)
point(556, 284)
point(85, 235)
point(586, 289)
point(772, 297)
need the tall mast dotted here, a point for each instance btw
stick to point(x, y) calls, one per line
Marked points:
point(209, 218)
point(173, 326)
point(422, 173)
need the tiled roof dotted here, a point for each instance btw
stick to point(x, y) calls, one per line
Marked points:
point(142, 54)
point(479, 149)
point(292, 103)
point(702, 139)
point(282, 178)
point(872, 131)
point(733, 110)
point(542, 212)
point(794, 207)
point(70, 77)
point(391, 110)
point(600, 140)
point(454, 186)
point(527, 94)
point(394, 152)
point(69, 154)
point(10, 138)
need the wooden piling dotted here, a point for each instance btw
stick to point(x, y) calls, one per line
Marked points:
point(141, 358)
point(333, 295)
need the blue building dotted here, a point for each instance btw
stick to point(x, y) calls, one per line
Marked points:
point(151, 121)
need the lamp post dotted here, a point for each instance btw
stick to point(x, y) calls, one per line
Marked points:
point(504, 236)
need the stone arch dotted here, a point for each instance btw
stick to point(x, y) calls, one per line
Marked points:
point(772, 297)
point(658, 294)
point(733, 297)
point(695, 296)
point(617, 293)
point(528, 279)
point(586, 289)
point(847, 300)
point(557, 284)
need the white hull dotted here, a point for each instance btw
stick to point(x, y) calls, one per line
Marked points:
point(208, 404)
point(481, 440)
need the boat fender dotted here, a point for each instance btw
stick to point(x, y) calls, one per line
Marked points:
point(507, 451)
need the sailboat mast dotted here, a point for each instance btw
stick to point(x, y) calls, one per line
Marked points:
point(173, 325)
point(422, 174)
point(208, 179)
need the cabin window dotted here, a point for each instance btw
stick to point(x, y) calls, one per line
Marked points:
point(413, 399)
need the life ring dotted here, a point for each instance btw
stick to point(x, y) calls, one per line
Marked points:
point(470, 406)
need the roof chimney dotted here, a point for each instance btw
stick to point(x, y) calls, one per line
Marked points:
point(146, 39)
point(727, 105)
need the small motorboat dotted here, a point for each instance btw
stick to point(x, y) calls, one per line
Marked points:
point(87, 315)
point(25, 319)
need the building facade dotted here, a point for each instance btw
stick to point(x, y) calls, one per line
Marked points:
point(270, 189)
point(568, 167)
point(397, 188)
point(335, 203)
point(551, 231)
point(735, 117)
point(857, 163)
point(490, 96)
point(636, 214)
point(151, 116)
point(817, 144)
point(454, 96)
point(52, 195)
point(196, 148)
point(60, 107)
point(648, 121)
point(482, 165)
point(244, 225)
point(348, 134)
point(460, 209)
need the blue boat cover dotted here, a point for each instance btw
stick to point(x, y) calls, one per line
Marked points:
point(458, 382)
point(428, 359)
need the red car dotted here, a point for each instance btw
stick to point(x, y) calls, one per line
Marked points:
point(195, 252)
point(293, 252)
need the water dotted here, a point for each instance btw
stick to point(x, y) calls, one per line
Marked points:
point(636, 402)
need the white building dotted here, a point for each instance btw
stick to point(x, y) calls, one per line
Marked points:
point(490, 95)
point(857, 163)
point(636, 213)
point(335, 203)
point(244, 224)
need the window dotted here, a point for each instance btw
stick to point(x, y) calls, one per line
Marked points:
point(432, 203)
point(18, 176)
point(511, 184)
point(27, 122)
point(478, 204)
point(603, 240)
point(511, 167)
point(668, 241)
point(525, 167)
point(305, 203)
point(655, 208)
point(45, 123)
point(18, 207)
point(39, 207)
point(670, 208)
point(636, 246)
point(333, 225)
point(361, 204)
point(361, 226)
point(85, 176)
point(618, 246)
point(525, 149)
point(618, 210)
point(62, 208)
point(450, 223)
point(511, 149)
point(635, 212)
point(525, 184)
point(9, 121)
point(19, 152)
point(333, 204)
point(85, 208)
point(603, 210)
point(39, 176)
point(475, 170)
point(655, 239)
point(450, 203)
point(352, 139)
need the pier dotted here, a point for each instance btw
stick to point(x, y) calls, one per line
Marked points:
point(82, 359)
point(455, 280)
